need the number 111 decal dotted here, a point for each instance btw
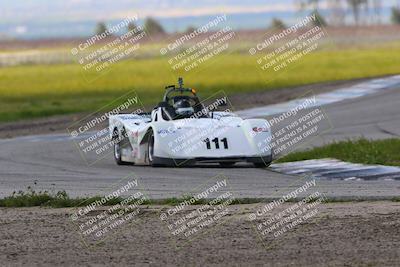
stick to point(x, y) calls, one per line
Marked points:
point(216, 142)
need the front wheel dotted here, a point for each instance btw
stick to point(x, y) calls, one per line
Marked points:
point(150, 151)
point(150, 148)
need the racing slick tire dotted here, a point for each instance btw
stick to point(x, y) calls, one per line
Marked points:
point(265, 162)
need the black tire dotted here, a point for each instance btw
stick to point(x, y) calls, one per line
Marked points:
point(150, 150)
point(154, 161)
point(118, 142)
point(226, 164)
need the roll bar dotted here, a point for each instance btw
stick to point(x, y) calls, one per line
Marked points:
point(172, 88)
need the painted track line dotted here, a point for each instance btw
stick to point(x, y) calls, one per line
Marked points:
point(355, 91)
point(336, 169)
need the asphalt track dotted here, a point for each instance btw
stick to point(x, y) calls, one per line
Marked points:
point(53, 163)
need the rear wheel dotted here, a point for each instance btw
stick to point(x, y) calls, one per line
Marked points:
point(118, 144)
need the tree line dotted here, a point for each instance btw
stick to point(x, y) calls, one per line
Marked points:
point(363, 11)
point(151, 26)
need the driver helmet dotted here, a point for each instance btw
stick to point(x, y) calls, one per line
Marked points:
point(183, 108)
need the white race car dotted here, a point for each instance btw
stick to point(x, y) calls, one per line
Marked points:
point(181, 130)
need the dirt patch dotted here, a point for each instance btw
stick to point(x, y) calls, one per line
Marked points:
point(340, 234)
point(59, 124)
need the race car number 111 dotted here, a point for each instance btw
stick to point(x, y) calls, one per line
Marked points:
point(216, 142)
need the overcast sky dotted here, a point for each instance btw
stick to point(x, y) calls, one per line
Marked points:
point(23, 10)
point(17, 16)
point(77, 10)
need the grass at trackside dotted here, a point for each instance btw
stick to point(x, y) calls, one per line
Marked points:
point(39, 90)
point(62, 200)
point(43, 198)
point(31, 198)
point(384, 152)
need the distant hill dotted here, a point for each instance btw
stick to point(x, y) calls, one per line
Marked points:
point(67, 29)
point(4, 37)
